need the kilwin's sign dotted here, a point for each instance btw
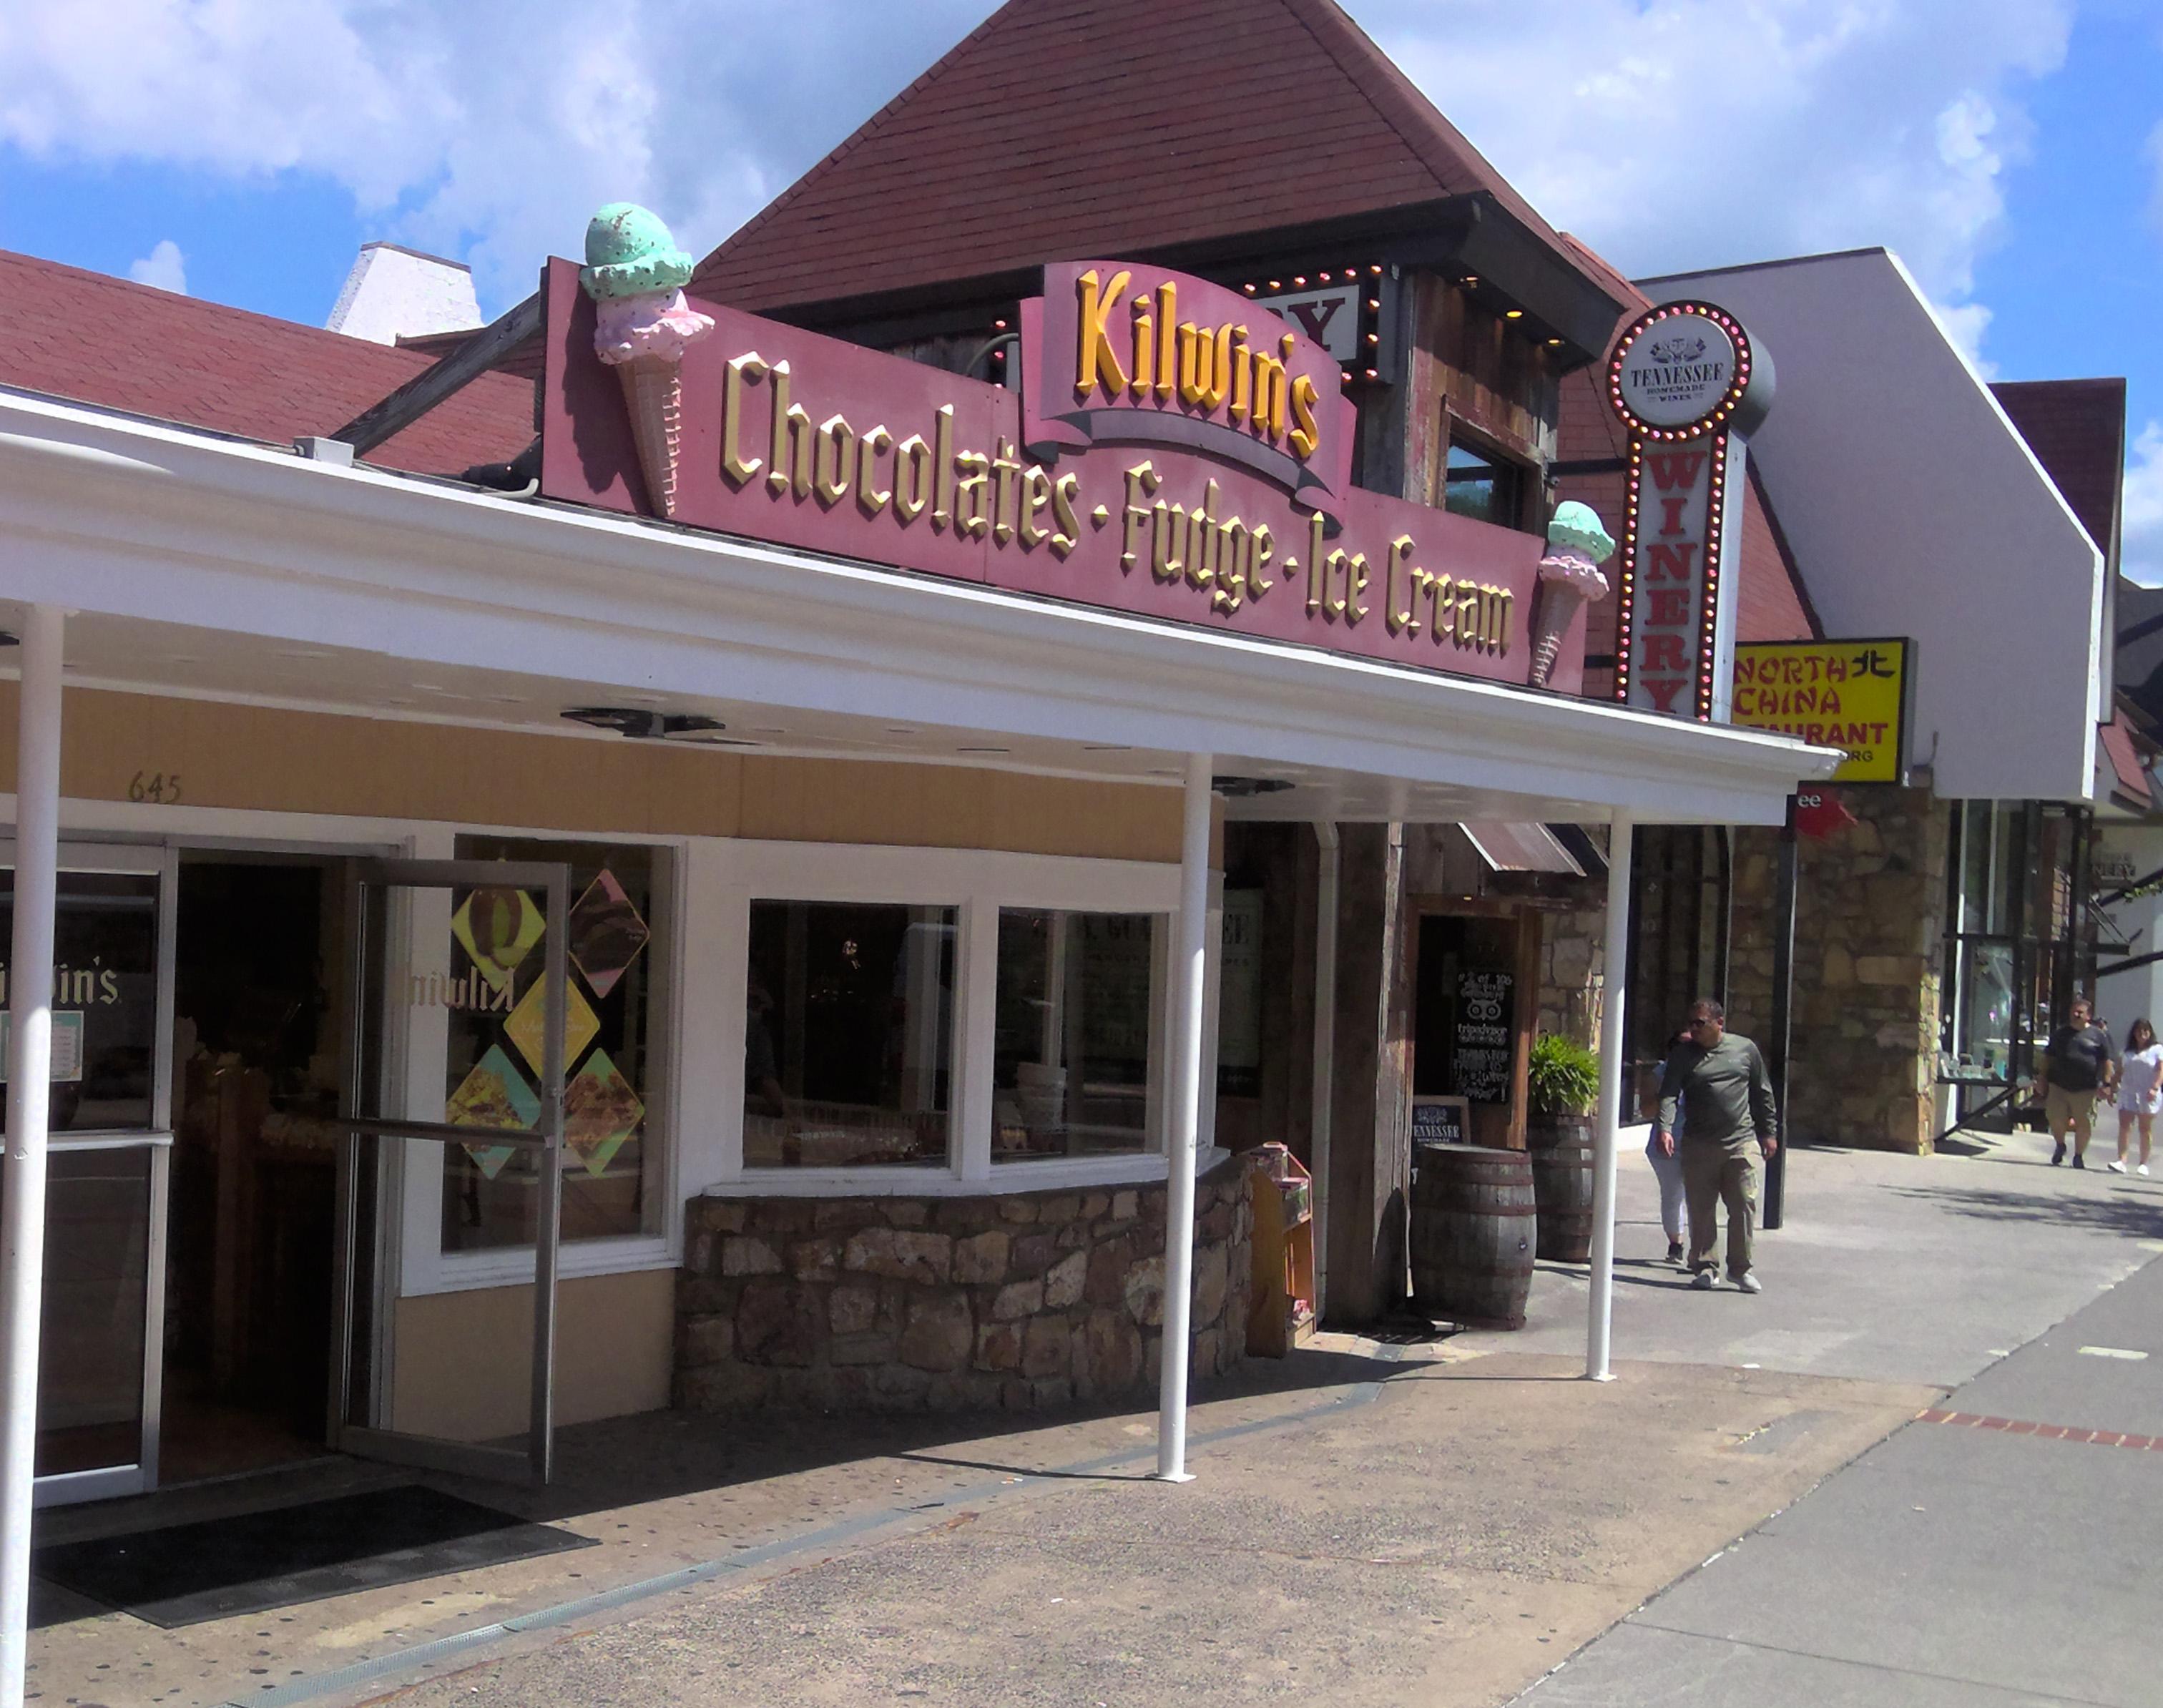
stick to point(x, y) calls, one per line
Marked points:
point(1174, 451)
point(1688, 385)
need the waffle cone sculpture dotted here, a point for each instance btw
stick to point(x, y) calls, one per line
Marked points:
point(1570, 577)
point(653, 394)
point(636, 275)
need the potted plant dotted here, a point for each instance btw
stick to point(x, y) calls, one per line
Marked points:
point(1561, 1086)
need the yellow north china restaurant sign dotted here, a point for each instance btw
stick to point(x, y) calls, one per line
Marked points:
point(1852, 694)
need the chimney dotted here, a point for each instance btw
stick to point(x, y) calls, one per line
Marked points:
point(393, 293)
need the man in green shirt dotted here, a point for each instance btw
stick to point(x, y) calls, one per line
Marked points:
point(1726, 1099)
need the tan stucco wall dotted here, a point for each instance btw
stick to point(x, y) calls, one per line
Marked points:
point(270, 760)
point(462, 1362)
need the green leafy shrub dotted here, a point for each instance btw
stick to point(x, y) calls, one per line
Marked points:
point(1564, 1076)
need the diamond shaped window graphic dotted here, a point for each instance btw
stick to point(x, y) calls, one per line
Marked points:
point(600, 1111)
point(528, 1025)
point(494, 1094)
point(498, 926)
point(606, 933)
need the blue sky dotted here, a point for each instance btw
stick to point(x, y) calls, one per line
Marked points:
point(2010, 150)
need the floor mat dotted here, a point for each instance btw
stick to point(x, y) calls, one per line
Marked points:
point(187, 1573)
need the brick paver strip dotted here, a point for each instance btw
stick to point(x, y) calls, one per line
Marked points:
point(2048, 1432)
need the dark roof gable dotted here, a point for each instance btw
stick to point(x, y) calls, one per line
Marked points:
point(1048, 132)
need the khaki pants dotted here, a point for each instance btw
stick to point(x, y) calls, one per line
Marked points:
point(1714, 1174)
point(2070, 1109)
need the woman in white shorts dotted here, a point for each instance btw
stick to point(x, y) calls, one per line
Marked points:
point(2139, 1093)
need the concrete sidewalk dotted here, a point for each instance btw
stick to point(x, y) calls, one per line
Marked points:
point(1992, 1555)
point(1436, 1523)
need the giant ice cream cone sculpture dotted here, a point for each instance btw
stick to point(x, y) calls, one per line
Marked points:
point(1569, 577)
point(636, 275)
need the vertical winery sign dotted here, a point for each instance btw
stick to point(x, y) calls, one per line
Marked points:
point(1689, 385)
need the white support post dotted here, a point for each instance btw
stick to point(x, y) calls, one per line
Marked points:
point(29, 1068)
point(1190, 984)
point(1613, 986)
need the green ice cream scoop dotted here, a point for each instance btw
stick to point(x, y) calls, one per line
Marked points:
point(629, 252)
point(1579, 525)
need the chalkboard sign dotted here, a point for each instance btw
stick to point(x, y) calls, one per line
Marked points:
point(1440, 1121)
point(1485, 1053)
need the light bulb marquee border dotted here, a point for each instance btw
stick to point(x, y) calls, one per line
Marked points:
point(1729, 401)
point(1711, 429)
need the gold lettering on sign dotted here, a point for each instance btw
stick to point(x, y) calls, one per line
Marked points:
point(1004, 471)
point(870, 499)
point(942, 466)
point(972, 497)
point(1144, 347)
point(1096, 360)
point(1261, 545)
point(1035, 499)
point(1167, 339)
point(1318, 586)
point(914, 477)
point(1065, 495)
point(791, 454)
point(1396, 621)
point(746, 369)
point(837, 448)
point(1305, 436)
point(1142, 481)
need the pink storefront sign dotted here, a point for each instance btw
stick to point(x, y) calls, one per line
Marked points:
point(1147, 504)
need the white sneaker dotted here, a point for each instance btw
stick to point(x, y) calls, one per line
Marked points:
point(2142, 1171)
point(1749, 1283)
point(2118, 1167)
point(1702, 1280)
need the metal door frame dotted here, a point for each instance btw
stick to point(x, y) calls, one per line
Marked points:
point(161, 861)
point(545, 1139)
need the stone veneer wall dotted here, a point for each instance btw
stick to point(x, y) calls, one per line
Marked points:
point(1869, 954)
point(1019, 1301)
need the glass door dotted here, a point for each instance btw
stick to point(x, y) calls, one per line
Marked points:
point(100, 1343)
point(504, 995)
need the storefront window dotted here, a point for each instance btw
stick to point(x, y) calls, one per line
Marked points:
point(849, 1027)
point(1484, 486)
point(105, 998)
point(1070, 1072)
point(613, 1069)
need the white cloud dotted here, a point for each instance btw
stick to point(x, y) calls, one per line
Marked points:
point(2140, 553)
point(164, 267)
point(1676, 135)
point(1965, 323)
point(1671, 134)
point(490, 130)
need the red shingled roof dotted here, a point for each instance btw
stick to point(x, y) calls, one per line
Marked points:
point(2076, 429)
point(96, 339)
point(1070, 126)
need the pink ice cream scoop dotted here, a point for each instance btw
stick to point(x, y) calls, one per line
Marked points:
point(656, 324)
point(1569, 567)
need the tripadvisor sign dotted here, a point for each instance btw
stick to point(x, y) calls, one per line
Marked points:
point(1688, 385)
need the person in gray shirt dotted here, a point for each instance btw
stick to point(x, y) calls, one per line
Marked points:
point(1719, 1078)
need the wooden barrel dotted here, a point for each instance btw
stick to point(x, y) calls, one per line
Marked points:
point(1561, 1151)
point(1473, 1230)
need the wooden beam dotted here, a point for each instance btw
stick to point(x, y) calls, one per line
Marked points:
point(433, 384)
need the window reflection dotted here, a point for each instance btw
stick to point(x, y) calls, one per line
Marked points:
point(848, 1035)
point(1072, 1064)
